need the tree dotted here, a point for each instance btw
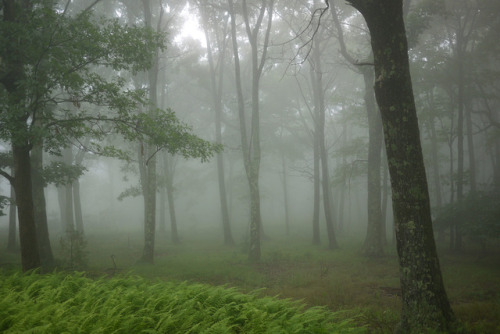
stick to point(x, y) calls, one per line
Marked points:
point(49, 57)
point(375, 235)
point(425, 303)
point(216, 86)
point(251, 143)
point(319, 137)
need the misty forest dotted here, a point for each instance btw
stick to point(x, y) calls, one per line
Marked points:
point(249, 166)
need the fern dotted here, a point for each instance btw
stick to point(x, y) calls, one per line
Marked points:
point(61, 303)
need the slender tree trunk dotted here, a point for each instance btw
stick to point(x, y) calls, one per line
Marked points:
point(68, 193)
point(317, 191)
point(251, 146)
point(460, 153)
point(76, 193)
point(319, 106)
point(163, 208)
point(424, 300)
point(285, 193)
point(149, 186)
point(61, 200)
point(11, 239)
point(39, 206)
point(373, 245)
point(169, 184)
point(77, 202)
point(343, 186)
point(470, 148)
point(216, 88)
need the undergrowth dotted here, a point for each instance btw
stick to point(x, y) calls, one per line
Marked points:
point(73, 303)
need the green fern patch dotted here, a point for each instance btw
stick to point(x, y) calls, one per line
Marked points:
point(73, 303)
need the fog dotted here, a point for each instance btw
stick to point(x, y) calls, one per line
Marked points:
point(254, 126)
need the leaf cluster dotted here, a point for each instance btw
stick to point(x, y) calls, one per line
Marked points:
point(59, 173)
point(60, 65)
point(59, 303)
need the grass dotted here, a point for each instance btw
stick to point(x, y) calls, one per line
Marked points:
point(361, 291)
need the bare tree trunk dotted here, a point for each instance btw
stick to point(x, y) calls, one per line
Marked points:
point(149, 158)
point(251, 146)
point(162, 218)
point(317, 191)
point(285, 193)
point(169, 171)
point(216, 88)
point(77, 202)
point(68, 193)
point(373, 245)
point(76, 193)
point(319, 106)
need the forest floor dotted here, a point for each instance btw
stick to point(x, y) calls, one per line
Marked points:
point(341, 280)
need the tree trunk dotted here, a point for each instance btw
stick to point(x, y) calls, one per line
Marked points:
point(216, 90)
point(470, 147)
point(30, 256)
point(285, 193)
point(77, 202)
point(373, 245)
point(251, 146)
point(149, 159)
point(11, 80)
point(39, 206)
point(76, 192)
point(61, 200)
point(162, 221)
point(11, 240)
point(375, 234)
point(169, 184)
point(319, 107)
point(425, 303)
point(317, 190)
point(68, 193)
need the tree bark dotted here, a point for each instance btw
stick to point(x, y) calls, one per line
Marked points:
point(30, 256)
point(425, 303)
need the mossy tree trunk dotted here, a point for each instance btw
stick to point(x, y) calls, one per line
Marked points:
point(425, 303)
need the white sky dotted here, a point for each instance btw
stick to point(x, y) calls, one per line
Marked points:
point(190, 28)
